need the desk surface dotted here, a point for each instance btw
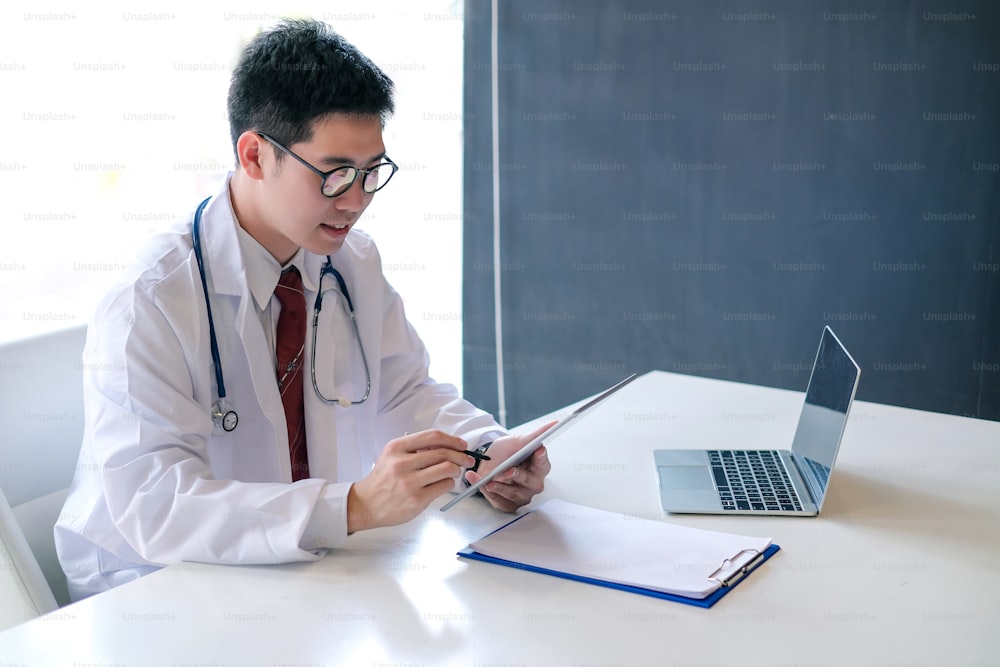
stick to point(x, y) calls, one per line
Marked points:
point(901, 567)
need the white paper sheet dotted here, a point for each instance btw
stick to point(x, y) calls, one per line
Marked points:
point(618, 548)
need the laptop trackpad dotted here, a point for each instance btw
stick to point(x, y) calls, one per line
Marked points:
point(685, 478)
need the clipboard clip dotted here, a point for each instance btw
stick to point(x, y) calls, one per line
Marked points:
point(729, 573)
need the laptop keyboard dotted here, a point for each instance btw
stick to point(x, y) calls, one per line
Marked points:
point(752, 480)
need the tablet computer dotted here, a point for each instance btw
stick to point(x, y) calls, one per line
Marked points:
point(526, 451)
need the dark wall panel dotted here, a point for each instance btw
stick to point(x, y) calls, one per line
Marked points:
point(700, 187)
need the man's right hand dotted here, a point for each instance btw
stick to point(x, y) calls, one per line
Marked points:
point(410, 473)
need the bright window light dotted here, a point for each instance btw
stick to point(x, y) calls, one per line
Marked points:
point(115, 125)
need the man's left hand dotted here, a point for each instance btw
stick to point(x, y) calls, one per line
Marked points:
point(516, 486)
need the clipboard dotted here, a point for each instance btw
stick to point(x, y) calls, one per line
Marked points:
point(526, 451)
point(713, 583)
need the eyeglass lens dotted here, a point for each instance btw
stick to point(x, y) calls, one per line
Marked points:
point(341, 179)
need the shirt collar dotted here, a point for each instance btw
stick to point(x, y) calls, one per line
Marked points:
point(263, 270)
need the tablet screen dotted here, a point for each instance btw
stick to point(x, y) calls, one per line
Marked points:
point(526, 451)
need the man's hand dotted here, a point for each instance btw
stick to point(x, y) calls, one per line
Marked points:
point(410, 472)
point(518, 485)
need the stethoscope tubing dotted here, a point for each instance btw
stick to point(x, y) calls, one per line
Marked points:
point(214, 341)
point(342, 286)
point(225, 417)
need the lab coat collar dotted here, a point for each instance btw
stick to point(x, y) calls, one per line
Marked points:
point(223, 255)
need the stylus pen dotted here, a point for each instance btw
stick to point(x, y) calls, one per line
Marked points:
point(475, 455)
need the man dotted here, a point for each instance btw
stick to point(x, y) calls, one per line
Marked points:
point(224, 424)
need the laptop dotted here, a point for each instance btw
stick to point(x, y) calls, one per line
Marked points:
point(780, 482)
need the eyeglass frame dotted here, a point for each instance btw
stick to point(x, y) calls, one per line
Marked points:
point(324, 175)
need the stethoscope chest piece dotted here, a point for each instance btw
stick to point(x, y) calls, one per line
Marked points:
point(226, 420)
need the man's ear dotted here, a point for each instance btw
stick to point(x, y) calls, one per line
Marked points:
point(248, 150)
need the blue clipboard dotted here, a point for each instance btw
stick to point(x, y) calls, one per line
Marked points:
point(704, 603)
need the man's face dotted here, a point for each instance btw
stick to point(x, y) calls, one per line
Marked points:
point(297, 213)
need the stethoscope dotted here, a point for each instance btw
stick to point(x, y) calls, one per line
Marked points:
point(222, 416)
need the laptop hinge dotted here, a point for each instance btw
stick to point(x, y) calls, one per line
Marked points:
point(807, 480)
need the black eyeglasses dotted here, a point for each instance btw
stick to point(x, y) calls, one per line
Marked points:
point(338, 181)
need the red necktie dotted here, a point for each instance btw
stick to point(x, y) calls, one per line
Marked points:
point(290, 341)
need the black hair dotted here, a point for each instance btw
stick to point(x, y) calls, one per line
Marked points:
point(298, 72)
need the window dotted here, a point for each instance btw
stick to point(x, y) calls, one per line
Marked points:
point(115, 126)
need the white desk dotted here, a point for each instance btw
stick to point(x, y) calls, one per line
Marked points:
point(898, 571)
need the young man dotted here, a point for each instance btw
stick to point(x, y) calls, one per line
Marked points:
point(224, 423)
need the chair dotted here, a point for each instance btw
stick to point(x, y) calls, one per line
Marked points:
point(23, 588)
point(41, 412)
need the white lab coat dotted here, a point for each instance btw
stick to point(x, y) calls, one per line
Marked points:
point(157, 483)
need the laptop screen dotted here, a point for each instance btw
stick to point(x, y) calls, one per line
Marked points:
point(831, 389)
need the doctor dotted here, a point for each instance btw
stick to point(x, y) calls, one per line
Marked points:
point(186, 453)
